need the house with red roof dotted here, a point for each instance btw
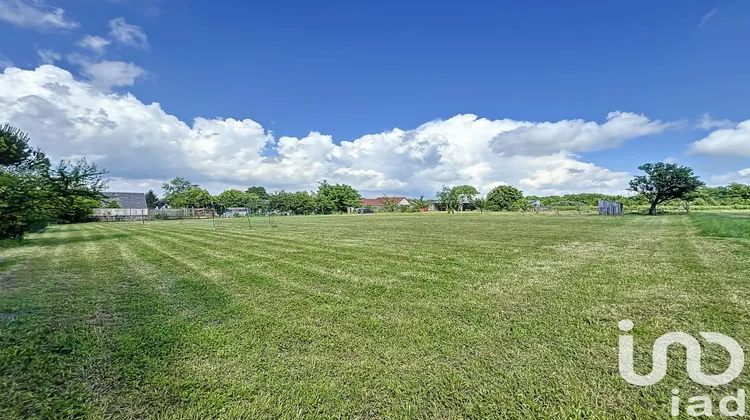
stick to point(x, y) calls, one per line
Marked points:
point(380, 202)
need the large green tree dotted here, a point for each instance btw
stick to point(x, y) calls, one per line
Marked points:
point(232, 198)
point(176, 187)
point(465, 195)
point(504, 198)
point(255, 203)
point(259, 191)
point(323, 204)
point(455, 198)
point(77, 189)
point(32, 193)
point(447, 199)
point(24, 203)
point(663, 182)
point(300, 202)
point(341, 196)
point(194, 197)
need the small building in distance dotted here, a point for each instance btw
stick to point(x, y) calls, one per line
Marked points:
point(117, 206)
point(380, 202)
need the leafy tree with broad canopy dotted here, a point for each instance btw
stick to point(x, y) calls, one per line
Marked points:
point(341, 196)
point(193, 197)
point(323, 204)
point(453, 199)
point(300, 202)
point(176, 187)
point(447, 199)
point(663, 182)
point(24, 203)
point(259, 191)
point(254, 202)
point(232, 198)
point(237, 198)
point(504, 198)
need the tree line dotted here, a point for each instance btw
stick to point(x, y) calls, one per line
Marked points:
point(329, 198)
point(660, 183)
point(683, 191)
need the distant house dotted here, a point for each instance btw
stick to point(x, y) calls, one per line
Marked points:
point(126, 200)
point(380, 202)
point(122, 206)
point(235, 212)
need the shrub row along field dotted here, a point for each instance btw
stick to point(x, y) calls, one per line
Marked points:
point(362, 316)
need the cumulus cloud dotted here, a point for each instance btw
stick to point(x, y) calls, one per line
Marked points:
point(142, 145)
point(127, 34)
point(733, 141)
point(742, 176)
point(109, 74)
point(94, 43)
point(34, 14)
point(562, 174)
point(543, 138)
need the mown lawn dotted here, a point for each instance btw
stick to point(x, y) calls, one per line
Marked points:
point(494, 315)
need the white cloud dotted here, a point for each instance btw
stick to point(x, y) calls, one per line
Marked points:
point(108, 74)
point(707, 122)
point(142, 145)
point(542, 138)
point(47, 56)
point(570, 175)
point(127, 34)
point(742, 176)
point(35, 14)
point(93, 43)
point(734, 141)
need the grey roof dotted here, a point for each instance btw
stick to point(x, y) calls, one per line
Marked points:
point(128, 200)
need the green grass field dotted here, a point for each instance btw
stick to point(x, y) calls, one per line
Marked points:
point(423, 315)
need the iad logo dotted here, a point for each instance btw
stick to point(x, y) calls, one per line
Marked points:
point(692, 364)
point(700, 405)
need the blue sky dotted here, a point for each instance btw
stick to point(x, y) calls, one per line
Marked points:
point(349, 69)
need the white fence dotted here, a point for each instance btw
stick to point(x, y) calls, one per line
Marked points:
point(123, 215)
point(117, 215)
